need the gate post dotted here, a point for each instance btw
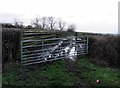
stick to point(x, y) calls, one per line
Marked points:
point(87, 45)
point(76, 42)
point(1, 55)
point(42, 50)
point(21, 35)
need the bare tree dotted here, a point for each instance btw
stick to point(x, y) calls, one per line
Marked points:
point(51, 23)
point(61, 25)
point(43, 22)
point(18, 23)
point(71, 28)
point(36, 23)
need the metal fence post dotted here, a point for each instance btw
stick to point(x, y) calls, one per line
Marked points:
point(87, 44)
point(60, 48)
point(21, 50)
point(42, 49)
point(21, 35)
point(75, 43)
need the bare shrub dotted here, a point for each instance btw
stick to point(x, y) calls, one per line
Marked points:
point(103, 49)
point(10, 44)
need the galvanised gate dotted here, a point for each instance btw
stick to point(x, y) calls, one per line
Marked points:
point(37, 47)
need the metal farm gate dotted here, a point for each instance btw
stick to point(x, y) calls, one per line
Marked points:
point(37, 47)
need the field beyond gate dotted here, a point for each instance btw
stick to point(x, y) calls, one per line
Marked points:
point(37, 47)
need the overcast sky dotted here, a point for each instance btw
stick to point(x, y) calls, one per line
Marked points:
point(100, 16)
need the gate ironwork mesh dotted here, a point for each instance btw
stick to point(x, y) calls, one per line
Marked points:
point(37, 47)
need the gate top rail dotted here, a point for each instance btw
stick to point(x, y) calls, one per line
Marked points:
point(64, 38)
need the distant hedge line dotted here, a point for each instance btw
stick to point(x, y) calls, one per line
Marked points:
point(104, 49)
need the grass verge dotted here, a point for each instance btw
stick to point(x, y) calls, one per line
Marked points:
point(61, 73)
point(46, 74)
point(109, 77)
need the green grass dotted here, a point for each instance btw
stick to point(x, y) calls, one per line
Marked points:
point(53, 73)
point(92, 72)
point(58, 73)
